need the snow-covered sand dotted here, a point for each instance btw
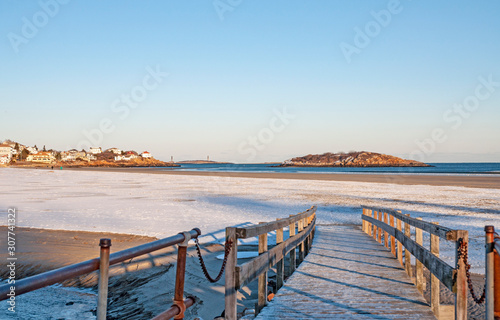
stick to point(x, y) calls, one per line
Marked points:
point(162, 205)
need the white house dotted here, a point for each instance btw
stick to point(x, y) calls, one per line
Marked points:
point(146, 154)
point(66, 156)
point(4, 159)
point(42, 157)
point(32, 149)
point(95, 150)
point(114, 150)
point(126, 157)
point(6, 150)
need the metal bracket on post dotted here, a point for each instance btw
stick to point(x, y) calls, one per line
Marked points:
point(187, 237)
point(182, 307)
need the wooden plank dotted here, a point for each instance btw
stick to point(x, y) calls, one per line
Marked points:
point(419, 267)
point(340, 282)
point(400, 246)
point(461, 280)
point(249, 271)
point(442, 232)
point(280, 266)
point(256, 230)
point(435, 286)
point(393, 240)
point(262, 286)
point(230, 298)
point(438, 267)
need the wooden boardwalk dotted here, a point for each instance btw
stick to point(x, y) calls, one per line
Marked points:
point(347, 275)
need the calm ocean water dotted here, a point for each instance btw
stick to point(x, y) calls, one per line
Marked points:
point(438, 168)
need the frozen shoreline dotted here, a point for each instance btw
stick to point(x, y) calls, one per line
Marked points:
point(160, 205)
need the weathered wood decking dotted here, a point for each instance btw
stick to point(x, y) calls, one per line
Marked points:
point(347, 275)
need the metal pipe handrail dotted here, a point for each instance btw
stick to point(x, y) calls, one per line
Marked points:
point(55, 276)
point(174, 310)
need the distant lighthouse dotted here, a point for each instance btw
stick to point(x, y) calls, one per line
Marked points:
point(208, 158)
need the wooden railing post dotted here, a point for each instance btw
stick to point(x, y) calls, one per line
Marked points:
point(291, 232)
point(374, 229)
point(380, 214)
point(363, 227)
point(400, 245)
point(230, 279)
point(371, 230)
point(262, 287)
point(306, 241)
point(386, 235)
point(461, 279)
point(363, 222)
point(435, 284)
point(300, 227)
point(419, 267)
point(409, 271)
point(393, 240)
point(280, 266)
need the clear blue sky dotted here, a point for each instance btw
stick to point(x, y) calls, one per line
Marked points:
point(66, 67)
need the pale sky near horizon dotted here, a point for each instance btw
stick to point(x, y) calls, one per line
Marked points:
point(251, 81)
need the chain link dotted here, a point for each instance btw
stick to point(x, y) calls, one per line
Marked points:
point(463, 253)
point(227, 249)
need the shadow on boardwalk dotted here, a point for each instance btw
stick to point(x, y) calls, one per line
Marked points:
point(348, 276)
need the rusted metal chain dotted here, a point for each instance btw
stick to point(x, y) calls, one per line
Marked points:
point(463, 253)
point(227, 249)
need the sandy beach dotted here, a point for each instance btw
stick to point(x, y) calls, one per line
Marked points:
point(462, 180)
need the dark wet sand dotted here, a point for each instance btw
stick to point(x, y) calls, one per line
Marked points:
point(471, 181)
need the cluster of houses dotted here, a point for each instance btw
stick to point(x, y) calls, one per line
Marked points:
point(10, 150)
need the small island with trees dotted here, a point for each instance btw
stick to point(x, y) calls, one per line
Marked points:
point(351, 159)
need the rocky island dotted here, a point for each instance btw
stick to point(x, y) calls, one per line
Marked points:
point(351, 159)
